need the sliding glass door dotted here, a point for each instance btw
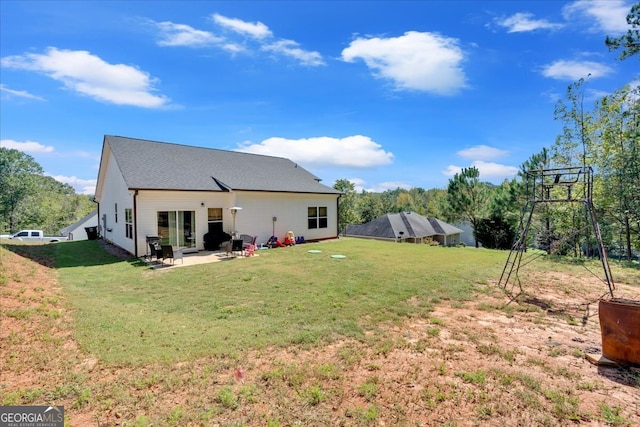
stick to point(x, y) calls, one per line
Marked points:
point(177, 228)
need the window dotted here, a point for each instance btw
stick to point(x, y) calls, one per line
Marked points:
point(214, 224)
point(177, 228)
point(115, 210)
point(128, 223)
point(317, 217)
point(214, 214)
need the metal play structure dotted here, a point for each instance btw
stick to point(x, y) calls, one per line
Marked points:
point(558, 185)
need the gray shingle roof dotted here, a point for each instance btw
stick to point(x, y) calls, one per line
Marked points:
point(410, 224)
point(167, 166)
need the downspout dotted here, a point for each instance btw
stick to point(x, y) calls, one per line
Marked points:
point(135, 223)
point(338, 211)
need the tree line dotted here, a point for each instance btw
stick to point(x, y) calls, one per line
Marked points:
point(605, 138)
point(31, 200)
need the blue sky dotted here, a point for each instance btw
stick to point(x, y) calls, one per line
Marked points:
point(386, 94)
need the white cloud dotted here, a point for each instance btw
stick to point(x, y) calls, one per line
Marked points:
point(290, 48)
point(257, 36)
point(575, 70)
point(26, 146)
point(415, 61)
point(361, 185)
point(90, 75)
point(523, 22)
point(233, 47)
point(358, 183)
point(184, 35)
point(495, 170)
point(353, 151)
point(481, 152)
point(488, 170)
point(610, 16)
point(256, 30)
point(389, 185)
point(81, 186)
point(19, 93)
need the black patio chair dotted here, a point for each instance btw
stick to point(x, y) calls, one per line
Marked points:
point(237, 245)
point(167, 252)
point(155, 250)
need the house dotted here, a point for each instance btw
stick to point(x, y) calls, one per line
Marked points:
point(406, 227)
point(184, 195)
point(467, 234)
point(77, 230)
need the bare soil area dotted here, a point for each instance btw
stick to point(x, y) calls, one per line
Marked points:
point(490, 361)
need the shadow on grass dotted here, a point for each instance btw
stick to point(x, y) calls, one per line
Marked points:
point(594, 260)
point(82, 253)
point(43, 254)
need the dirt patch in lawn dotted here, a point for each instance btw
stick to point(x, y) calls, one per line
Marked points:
point(489, 361)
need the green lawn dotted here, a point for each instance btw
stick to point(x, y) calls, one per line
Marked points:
point(166, 347)
point(128, 314)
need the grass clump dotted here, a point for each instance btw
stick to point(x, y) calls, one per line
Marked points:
point(314, 395)
point(565, 405)
point(477, 377)
point(611, 415)
point(369, 388)
point(228, 398)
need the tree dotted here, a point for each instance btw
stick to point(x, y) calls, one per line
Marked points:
point(31, 200)
point(467, 198)
point(629, 41)
point(574, 147)
point(18, 173)
point(349, 213)
point(52, 206)
point(406, 202)
point(436, 202)
point(371, 206)
point(618, 160)
point(506, 202)
point(571, 147)
point(541, 220)
point(495, 233)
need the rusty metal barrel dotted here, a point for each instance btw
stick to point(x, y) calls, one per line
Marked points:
point(620, 327)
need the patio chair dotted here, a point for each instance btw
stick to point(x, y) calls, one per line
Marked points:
point(167, 252)
point(237, 245)
point(155, 250)
point(246, 238)
point(250, 248)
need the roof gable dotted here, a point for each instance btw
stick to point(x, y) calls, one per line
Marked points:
point(404, 225)
point(156, 165)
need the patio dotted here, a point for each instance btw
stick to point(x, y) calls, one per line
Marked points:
point(193, 258)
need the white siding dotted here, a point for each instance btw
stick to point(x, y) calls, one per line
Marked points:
point(149, 203)
point(255, 217)
point(77, 231)
point(290, 209)
point(114, 192)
